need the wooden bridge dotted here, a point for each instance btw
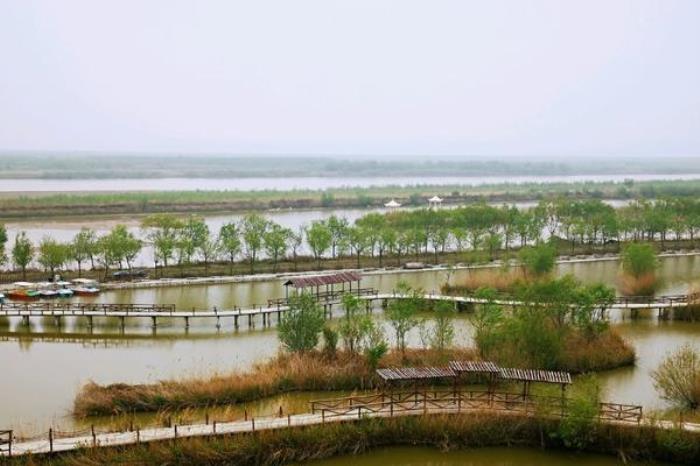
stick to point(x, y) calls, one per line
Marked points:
point(275, 307)
point(344, 409)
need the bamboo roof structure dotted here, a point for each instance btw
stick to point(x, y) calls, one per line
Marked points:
point(322, 280)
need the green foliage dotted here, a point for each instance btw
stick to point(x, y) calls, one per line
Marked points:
point(162, 231)
point(534, 335)
point(538, 260)
point(639, 259)
point(3, 241)
point(677, 378)
point(578, 429)
point(276, 242)
point(330, 341)
point(401, 313)
point(52, 254)
point(301, 325)
point(253, 228)
point(443, 331)
point(83, 247)
point(319, 238)
point(22, 252)
point(230, 239)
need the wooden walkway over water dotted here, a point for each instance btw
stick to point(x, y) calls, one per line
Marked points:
point(344, 409)
point(275, 307)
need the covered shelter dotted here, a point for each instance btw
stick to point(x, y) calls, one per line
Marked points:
point(392, 204)
point(435, 202)
point(528, 376)
point(487, 369)
point(414, 374)
point(328, 281)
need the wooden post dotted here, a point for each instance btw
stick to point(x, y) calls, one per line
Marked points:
point(175, 430)
point(206, 418)
point(51, 440)
point(213, 425)
point(94, 436)
point(289, 420)
point(245, 414)
point(253, 423)
point(138, 435)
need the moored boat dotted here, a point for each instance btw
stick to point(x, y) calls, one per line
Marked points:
point(23, 291)
point(85, 287)
point(46, 290)
point(63, 290)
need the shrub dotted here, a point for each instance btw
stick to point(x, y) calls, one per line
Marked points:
point(678, 377)
point(639, 259)
point(538, 260)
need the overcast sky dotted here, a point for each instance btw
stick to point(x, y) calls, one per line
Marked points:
point(489, 78)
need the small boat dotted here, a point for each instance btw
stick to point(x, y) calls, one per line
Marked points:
point(46, 290)
point(85, 287)
point(63, 290)
point(23, 291)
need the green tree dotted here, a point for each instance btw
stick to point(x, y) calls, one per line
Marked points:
point(190, 238)
point(401, 313)
point(82, 247)
point(22, 252)
point(162, 231)
point(230, 241)
point(358, 241)
point(3, 242)
point(355, 327)
point(276, 243)
point(639, 259)
point(301, 325)
point(538, 260)
point(210, 251)
point(253, 228)
point(52, 254)
point(318, 237)
point(338, 227)
point(578, 428)
point(443, 331)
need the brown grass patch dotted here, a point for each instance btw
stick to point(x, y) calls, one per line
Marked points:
point(606, 351)
point(287, 372)
point(644, 285)
point(500, 280)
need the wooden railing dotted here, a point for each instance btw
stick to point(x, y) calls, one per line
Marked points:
point(461, 400)
point(326, 296)
point(6, 442)
point(80, 308)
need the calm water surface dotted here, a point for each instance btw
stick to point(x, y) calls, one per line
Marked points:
point(44, 367)
point(414, 456)
point(301, 183)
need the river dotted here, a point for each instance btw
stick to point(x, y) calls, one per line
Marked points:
point(300, 183)
point(43, 366)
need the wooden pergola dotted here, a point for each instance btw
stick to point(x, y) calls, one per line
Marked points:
point(528, 376)
point(329, 281)
point(485, 368)
point(397, 375)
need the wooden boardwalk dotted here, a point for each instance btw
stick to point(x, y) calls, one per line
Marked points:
point(344, 409)
point(275, 307)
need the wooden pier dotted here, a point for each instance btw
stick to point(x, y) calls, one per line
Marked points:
point(345, 409)
point(265, 314)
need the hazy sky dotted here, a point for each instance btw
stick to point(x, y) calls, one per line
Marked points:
point(490, 78)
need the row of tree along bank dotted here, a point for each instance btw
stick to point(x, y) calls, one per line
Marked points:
point(474, 233)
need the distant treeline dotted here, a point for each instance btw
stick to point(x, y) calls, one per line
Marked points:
point(479, 227)
point(75, 204)
point(82, 166)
